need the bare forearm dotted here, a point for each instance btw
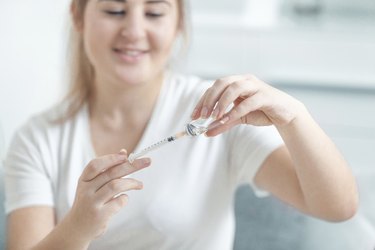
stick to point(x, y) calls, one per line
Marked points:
point(327, 184)
point(63, 236)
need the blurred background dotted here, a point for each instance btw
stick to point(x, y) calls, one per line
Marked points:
point(320, 51)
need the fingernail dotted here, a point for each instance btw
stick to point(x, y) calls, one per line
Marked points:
point(204, 112)
point(224, 119)
point(123, 152)
point(146, 161)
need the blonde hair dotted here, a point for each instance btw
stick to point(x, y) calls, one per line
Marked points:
point(80, 69)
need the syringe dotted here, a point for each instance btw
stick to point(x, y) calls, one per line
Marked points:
point(156, 145)
point(192, 129)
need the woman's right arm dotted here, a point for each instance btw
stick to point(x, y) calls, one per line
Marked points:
point(28, 227)
point(96, 201)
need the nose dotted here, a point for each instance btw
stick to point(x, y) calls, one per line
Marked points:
point(133, 27)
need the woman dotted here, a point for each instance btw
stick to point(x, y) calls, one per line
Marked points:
point(70, 186)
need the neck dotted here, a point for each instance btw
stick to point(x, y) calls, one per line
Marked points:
point(130, 105)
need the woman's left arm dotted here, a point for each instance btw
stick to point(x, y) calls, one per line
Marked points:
point(308, 172)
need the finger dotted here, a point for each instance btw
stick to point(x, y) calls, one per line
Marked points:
point(115, 187)
point(100, 164)
point(197, 110)
point(211, 97)
point(215, 93)
point(123, 152)
point(116, 203)
point(235, 93)
point(207, 102)
point(120, 171)
point(221, 128)
point(247, 106)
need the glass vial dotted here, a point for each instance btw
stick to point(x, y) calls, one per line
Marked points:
point(199, 126)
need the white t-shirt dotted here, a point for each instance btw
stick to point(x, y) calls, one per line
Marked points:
point(188, 196)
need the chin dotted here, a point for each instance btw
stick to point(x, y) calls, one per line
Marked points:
point(132, 79)
point(136, 77)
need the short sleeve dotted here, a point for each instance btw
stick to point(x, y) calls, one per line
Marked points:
point(249, 147)
point(26, 177)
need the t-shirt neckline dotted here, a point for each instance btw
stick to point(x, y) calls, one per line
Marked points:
point(149, 127)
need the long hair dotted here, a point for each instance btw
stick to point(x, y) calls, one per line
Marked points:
point(81, 72)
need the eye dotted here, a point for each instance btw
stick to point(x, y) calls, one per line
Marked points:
point(115, 13)
point(154, 15)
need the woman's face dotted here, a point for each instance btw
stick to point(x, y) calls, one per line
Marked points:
point(129, 41)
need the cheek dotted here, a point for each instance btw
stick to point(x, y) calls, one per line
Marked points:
point(99, 30)
point(97, 36)
point(164, 32)
point(164, 40)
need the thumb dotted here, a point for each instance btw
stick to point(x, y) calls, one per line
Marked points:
point(219, 128)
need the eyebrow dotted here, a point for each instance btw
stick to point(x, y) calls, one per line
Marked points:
point(121, 1)
point(149, 1)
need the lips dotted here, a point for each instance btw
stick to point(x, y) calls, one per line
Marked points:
point(130, 55)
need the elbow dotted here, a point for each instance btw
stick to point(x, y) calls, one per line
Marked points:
point(350, 210)
point(344, 206)
point(350, 207)
point(336, 210)
point(344, 214)
point(344, 211)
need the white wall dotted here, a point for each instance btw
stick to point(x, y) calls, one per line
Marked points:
point(32, 50)
point(328, 49)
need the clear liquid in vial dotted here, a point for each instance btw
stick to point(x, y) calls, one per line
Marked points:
point(199, 126)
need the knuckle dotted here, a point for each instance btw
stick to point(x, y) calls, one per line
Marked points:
point(113, 185)
point(220, 82)
point(122, 200)
point(107, 175)
point(111, 173)
point(93, 165)
point(237, 84)
point(230, 93)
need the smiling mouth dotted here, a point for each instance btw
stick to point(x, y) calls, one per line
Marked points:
point(130, 55)
point(130, 52)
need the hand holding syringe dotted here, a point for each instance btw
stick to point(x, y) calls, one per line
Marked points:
point(192, 129)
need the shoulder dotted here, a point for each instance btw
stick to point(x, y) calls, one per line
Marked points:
point(43, 126)
point(187, 86)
